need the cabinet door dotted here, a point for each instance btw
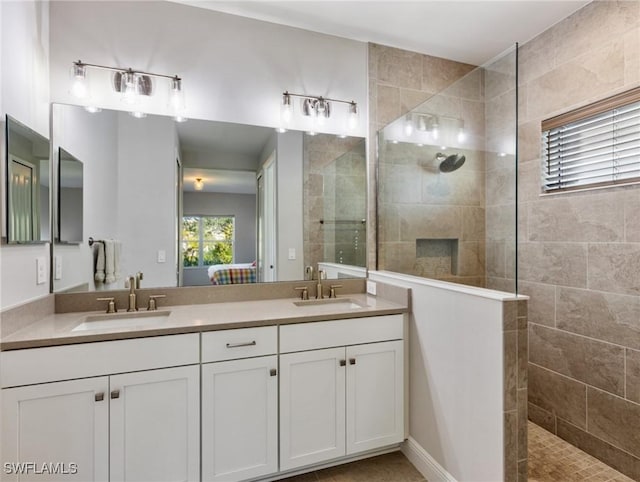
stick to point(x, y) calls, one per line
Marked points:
point(312, 407)
point(375, 395)
point(155, 425)
point(62, 422)
point(239, 419)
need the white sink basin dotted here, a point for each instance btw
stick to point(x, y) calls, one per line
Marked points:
point(123, 320)
point(331, 304)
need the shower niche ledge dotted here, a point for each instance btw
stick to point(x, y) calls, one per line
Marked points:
point(437, 257)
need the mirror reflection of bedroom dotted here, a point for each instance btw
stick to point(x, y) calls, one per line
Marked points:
point(258, 205)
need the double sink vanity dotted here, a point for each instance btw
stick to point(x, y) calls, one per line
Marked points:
point(257, 389)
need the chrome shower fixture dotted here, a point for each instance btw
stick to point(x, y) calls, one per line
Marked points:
point(449, 163)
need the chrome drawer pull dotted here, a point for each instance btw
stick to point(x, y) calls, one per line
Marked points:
point(352, 361)
point(273, 372)
point(115, 394)
point(343, 363)
point(99, 397)
point(238, 345)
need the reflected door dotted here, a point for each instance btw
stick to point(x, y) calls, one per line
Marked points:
point(267, 222)
point(23, 225)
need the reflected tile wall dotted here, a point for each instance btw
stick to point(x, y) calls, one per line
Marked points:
point(579, 253)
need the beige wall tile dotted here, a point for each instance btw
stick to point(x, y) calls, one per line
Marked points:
point(595, 25)
point(522, 424)
point(495, 258)
point(471, 258)
point(633, 375)
point(529, 181)
point(501, 185)
point(400, 68)
point(614, 420)
point(473, 224)
point(500, 221)
point(429, 222)
point(612, 456)
point(596, 363)
point(604, 316)
point(410, 99)
point(387, 103)
point(537, 57)
point(510, 366)
point(511, 446)
point(591, 217)
point(542, 302)
point(542, 417)
point(399, 257)
point(632, 58)
point(439, 73)
point(553, 263)
point(558, 394)
point(462, 188)
point(576, 82)
point(615, 267)
point(529, 141)
point(632, 214)
point(509, 315)
point(523, 353)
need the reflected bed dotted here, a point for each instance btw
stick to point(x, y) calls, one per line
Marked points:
point(229, 274)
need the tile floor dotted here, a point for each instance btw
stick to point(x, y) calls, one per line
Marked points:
point(551, 459)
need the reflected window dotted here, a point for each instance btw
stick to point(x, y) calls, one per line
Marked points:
point(207, 240)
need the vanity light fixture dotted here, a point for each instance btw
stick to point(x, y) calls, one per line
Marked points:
point(408, 125)
point(317, 108)
point(198, 184)
point(462, 135)
point(132, 84)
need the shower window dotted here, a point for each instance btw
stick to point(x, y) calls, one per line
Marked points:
point(595, 146)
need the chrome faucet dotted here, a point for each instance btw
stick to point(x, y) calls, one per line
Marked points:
point(133, 304)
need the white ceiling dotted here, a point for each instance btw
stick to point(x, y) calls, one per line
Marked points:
point(467, 31)
point(212, 136)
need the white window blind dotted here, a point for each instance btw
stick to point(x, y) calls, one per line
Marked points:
point(583, 149)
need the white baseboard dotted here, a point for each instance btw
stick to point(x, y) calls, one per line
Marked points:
point(425, 463)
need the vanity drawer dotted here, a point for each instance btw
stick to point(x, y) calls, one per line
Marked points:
point(240, 343)
point(354, 331)
point(65, 362)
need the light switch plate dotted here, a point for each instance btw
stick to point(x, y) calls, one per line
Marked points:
point(292, 254)
point(41, 269)
point(162, 256)
point(57, 267)
point(371, 287)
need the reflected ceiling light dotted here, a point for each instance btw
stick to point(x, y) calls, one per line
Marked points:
point(138, 114)
point(93, 109)
point(434, 127)
point(408, 125)
point(462, 135)
point(132, 84)
point(502, 154)
point(198, 184)
point(394, 141)
point(316, 108)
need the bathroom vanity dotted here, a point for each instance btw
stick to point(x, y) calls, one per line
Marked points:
point(233, 391)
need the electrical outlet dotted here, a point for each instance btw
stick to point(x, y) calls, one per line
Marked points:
point(371, 287)
point(162, 256)
point(292, 254)
point(41, 269)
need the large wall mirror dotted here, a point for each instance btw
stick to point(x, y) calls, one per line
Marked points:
point(27, 184)
point(207, 203)
point(70, 198)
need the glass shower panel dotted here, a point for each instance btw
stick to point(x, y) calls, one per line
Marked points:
point(447, 182)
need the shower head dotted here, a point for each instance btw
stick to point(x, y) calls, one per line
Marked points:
point(450, 163)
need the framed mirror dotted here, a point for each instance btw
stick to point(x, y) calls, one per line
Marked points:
point(208, 203)
point(70, 198)
point(27, 184)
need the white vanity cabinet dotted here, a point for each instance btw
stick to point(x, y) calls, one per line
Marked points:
point(342, 400)
point(239, 404)
point(137, 422)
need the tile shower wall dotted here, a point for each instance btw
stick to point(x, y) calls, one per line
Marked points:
point(400, 80)
point(579, 253)
point(335, 175)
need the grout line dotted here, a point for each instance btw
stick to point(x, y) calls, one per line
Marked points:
point(625, 372)
point(585, 336)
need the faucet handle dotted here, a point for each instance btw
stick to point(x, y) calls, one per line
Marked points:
point(153, 306)
point(139, 277)
point(111, 306)
point(304, 292)
point(332, 290)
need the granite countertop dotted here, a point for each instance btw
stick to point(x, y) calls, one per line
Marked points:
point(57, 329)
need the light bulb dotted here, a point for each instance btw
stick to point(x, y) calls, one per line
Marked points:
point(352, 120)
point(462, 135)
point(286, 110)
point(435, 128)
point(323, 110)
point(176, 95)
point(198, 184)
point(79, 86)
point(138, 114)
point(179, 118)
point(93, 109)
point(408, 126)
point(129, 87)
point(281, 130)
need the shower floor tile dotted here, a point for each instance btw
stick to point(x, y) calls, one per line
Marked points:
point(551, 459)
